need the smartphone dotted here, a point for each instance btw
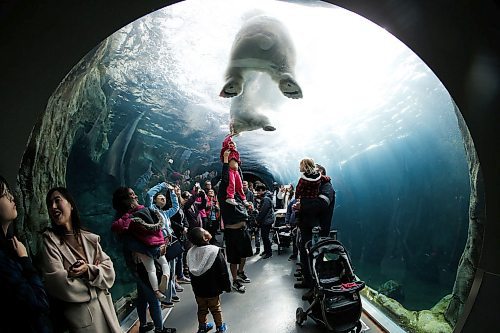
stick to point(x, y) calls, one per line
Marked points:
point(76, 264)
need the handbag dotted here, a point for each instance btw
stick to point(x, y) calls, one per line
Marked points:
point(174, 249)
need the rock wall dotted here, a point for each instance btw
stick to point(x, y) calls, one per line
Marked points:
point(77, 101)
point(470, 258)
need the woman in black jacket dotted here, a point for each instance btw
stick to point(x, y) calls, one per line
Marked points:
point(24, 302)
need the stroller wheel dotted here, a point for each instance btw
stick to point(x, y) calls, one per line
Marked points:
point(300, 316)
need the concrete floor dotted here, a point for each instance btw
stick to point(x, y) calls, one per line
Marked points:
point(268, 305)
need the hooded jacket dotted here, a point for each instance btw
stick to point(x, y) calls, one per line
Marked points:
point(143, 223)
point(308, 185)
point(266, 212)
point(208, 271)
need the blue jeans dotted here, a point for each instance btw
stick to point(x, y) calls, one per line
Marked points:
point(179, 265)
point(171, 282)
point(135, 245)
point(145, 297)
point(255, 231)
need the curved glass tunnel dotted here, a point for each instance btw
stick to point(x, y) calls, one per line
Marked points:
point(144, 106)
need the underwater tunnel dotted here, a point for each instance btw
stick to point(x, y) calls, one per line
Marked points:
point(411, 196)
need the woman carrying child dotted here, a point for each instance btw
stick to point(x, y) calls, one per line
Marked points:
point(141, 228)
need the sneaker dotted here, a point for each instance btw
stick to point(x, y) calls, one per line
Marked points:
point(146, 328)
point(231, 201)
point(263, 254)
point(267, 256)
point(166, 304)
point(184, 280)
point(300, 285)
point(297, 274)
point(166, 330)
point(163, 283)
point(257, 251)
point(243, 278)
point(203, 328)
point(221, 328)
point(176, 299)
point(178, 288)
point(159, 295)
point(292, 257)
point(237, 286)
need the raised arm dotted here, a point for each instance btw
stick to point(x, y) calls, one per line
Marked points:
point(152, 192)
point(175, 204)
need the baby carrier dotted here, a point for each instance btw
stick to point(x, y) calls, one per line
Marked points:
point(335, 302)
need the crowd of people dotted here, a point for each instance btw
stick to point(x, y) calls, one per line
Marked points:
point(199, 236)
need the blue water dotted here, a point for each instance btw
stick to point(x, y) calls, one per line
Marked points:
point(382, 125)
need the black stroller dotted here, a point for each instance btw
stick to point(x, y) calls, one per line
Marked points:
point(282, 234)
point(335, 302)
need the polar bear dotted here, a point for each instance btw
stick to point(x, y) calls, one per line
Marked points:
point(247, 109)
point(262, 44)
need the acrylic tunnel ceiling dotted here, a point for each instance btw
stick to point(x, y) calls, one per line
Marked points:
point(145, 106)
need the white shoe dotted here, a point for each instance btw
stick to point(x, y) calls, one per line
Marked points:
point(159, 295)
point(231, 201)
point(163, 283)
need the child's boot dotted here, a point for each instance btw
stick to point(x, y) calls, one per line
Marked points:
point(203, 328)
point(221, 328)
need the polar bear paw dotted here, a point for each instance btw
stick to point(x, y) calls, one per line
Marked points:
point(232, 88)
point(289, 87)
point(269, 128)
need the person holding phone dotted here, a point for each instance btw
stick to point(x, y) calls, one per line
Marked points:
point(78, 273)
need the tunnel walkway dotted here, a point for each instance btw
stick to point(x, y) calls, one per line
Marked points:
point(268, 305)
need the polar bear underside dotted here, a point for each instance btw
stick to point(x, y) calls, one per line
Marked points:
point(264, 45)
point(246, 109)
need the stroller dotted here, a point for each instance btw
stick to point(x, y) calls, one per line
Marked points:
point(335, 302)
point(282, 234)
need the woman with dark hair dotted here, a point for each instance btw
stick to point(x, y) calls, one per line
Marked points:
point(24, 301)
point(167, 208)
point(180, 226)
point(142, 230)
point(125, 203)
point(77, 272)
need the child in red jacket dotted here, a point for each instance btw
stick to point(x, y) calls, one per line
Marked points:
point(235, 175)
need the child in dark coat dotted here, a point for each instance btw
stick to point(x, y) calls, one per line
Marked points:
point(209, 278)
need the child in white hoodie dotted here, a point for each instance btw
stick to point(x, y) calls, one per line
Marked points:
point(209, 278)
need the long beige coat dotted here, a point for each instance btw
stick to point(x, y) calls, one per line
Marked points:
point(88, 306)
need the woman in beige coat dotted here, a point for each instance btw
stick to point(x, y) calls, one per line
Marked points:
point(77, 272)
